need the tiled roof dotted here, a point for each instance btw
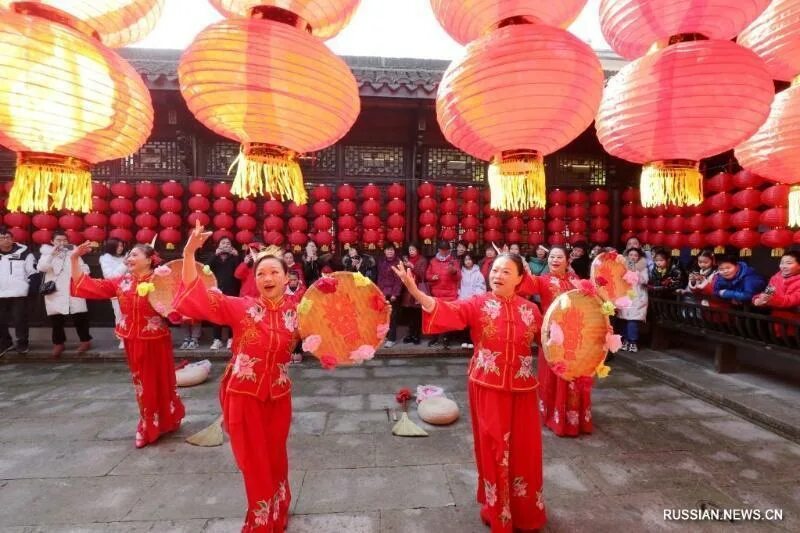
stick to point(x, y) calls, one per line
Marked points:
point(376, 76)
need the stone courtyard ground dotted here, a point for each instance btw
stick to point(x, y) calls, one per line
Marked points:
point(67, 461)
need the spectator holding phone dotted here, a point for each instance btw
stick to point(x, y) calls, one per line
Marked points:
point(56, 265)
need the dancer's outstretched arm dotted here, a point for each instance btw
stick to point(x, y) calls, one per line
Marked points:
point(75, 259)
point(407, 277)
point(196, 240)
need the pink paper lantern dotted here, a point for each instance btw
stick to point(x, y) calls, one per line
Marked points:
point(631, 27)
point(520, 92)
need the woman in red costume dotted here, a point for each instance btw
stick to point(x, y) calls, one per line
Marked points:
point(147, 339)
point(255, 392)
point(565, 406)
point(502, 390)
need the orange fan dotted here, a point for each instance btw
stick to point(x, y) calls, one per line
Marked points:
point(167, 279)
point(343, 318)
point(609, 273)
point(576, 335)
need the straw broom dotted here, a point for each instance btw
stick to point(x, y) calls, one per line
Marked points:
point(208, 437)
point(405, 427)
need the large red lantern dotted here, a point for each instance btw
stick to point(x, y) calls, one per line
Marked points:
point(427, 234)
point(745, 240)
point(297, 239)
point(653, 101)
point(523, 90)
point(324, 240)
point(270, 99)
point(778, 240)
point(718, 239)
point(66, 100)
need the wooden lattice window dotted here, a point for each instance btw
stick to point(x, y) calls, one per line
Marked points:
point(448, 163)
point(575, 170)
point(320, 162)
point(8, 163)
point(220, 157)
point(374, 161)
point(154, 158)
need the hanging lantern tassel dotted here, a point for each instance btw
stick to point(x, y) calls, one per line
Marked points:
point(794, 206)
point(49, 182)
point(777, 252)
point(516, 180)
point(675, 182)
point(264, 169)
point(745, 252)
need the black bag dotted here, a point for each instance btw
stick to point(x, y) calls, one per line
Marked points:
point(48, 287)
point(35, 283)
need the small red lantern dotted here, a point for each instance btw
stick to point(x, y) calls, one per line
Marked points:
point(146, 205)
point(90, 219)
point(348, 237)
point(577, 226)
point(556, 239)
point(599, 224)
point(745, 240)
point(45, 221)
point(470, 194)
point(99, 204)
point(223, 205)
point(470, 236)
point(427, 204)
point(42, 236)
point(396, 236)
point(426, 189)
point(193, 218)
point(557, 196)
point(223, 233)
point(170, 236)
point(492, 236)
point(600, 236)
point(535, 238)
point(371, 207)
point(371, 222)
point(121, 220)
point(427, 234)
point(122, 234)
point(222, 189)
point(246, 222)
point(68, 221)
point(274, 238)
point(324, 240)
point(246, 207)
point(199, 188)
point(448, 192)
point(273, 223)
point(347, 222)
point(322, 208)
point(536, 225)
point(470, 222)
point(396, 220)
point(244, 236)
point(171, 205)
point(557, 211)
point(492, 223)
point(371, 238)
point(147, 189)
point(778, 240)
point(322, 193)
point(427, 218)
point(122, 189)
point(223, 221)
point(513, 237)
point(598, 196)
point(470, 208)
point(718, 239)
point(298, 210)
point(556, 225)
point(396, 190)
point(99, 190)
point(145, 235)
point(146, 220)
point(346, 207)
point(775, 217)
point(199, 203)
point(577, 197)
point(298, 224)
point(629, 224)
point(600, 210)
point(747, 218)
point(396, 206)
point(273, 208)
point(371, 192)
point(172, 188)
point(747, 199)
point(121, 205)
point(346, 192)
point(323, 224)
point(720, 182)
point(776, 196)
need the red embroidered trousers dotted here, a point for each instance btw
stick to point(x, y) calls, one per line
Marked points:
point(508, 454)
point(258, 432)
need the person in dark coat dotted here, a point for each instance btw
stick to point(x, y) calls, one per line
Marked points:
point(418, 264)
point(579, 260)
point(391, 287)
point(666, 277)
point(223, 266)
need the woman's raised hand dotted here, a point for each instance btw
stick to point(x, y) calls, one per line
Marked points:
point(82, 249)
point(197, 238)
point(405, 275)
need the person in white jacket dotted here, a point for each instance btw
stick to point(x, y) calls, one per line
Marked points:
point(17, 264)
point(472, 283)
point(633, 316)
point(56, 266)
point(112, 265)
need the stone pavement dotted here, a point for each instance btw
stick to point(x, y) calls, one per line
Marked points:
point(67, 461)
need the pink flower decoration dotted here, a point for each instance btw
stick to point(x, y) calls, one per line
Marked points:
point(364, 352)
point(428, 391)
point(328, 362)
point(162, 271)
point(585, 286)
point(175, 317)
point(377, 302)
point(556, 335)
point(559, 368)
point(623, 301)
point(612, 254)
point(631, 278)
point(382, 330)
point(327, 285)
point(613, 342)
point(312, 343)
point(601, 281)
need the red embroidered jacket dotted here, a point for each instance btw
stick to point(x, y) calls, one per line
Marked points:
point(548, 286)
point(502, 330)
point(264, 334)
point(139, 320)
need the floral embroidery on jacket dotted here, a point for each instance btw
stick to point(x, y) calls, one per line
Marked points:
point(487, 361)
point(256, 312)
point(526, 314)
point(572, 418)
point(126, 284)
point(526, 367)
point(283, 374)
point(154, 323)
point(243, 367)
point(492, 308)
point(290, 320)
point(490, 492)
point(505, 514)
point(588, 415)
point(539, 500)
point(520, 487)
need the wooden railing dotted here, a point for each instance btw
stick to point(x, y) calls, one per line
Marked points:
point(738, 325)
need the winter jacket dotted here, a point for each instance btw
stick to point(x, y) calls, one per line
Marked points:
point(581, 266)
point(311, 270)
point(785, 301)
point(701, 285)
point(224, 268)
point(638, 308)
point(665, 281)
point(419, 268)
point(472, 282)
point(112, 266)
point(15, 268)
point(367, 268)
point(388, 282)
point(57, 267)
point(244, 273)
point(538, 266)
point(741, 288)
point(449, 273)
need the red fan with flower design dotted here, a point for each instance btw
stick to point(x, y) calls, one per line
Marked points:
point(577, 334)
point(343, 318)
point(166, 279)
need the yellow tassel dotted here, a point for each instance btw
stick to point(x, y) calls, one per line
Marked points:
point(267, 170)
point(695, 251)
point(517, 181)
point(745, 252)
point(794, 206)
point(45, 182)
point(719, 250)
point(674, 182)
point(777, 252)
point(675, 252)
